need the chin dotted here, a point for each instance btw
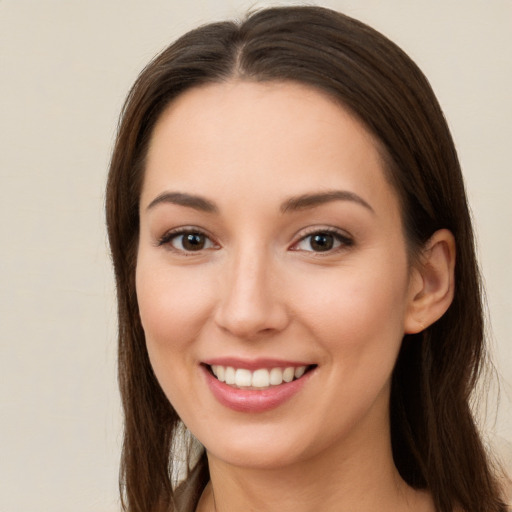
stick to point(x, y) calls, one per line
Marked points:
point(256, 457)
point(266, 447)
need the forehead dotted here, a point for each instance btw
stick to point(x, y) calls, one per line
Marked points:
point(273, 138)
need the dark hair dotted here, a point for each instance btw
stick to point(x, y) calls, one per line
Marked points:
point(436, 445)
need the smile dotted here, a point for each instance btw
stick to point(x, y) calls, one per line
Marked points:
point(261, 378)
point(255, 386)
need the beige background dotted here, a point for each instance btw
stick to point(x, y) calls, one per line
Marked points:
point(65, 67)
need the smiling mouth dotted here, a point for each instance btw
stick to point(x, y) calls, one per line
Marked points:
point(259, 379)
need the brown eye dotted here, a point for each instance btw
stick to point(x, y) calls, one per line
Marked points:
point(187, 241)
point(192, 241)
point(323, 241)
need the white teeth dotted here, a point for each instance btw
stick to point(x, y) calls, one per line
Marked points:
point(243, 378)
point(221, 373)
point(288, 374)
point(299, 372)
point(260, 379)
point(230, 375)
point(276, 376)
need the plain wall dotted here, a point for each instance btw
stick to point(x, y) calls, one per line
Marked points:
point(65, 67)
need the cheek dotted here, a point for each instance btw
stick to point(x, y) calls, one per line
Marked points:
point(173, 304)
point(358, 321)
point(359, 311)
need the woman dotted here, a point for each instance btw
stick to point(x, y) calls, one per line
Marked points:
point(296, 277)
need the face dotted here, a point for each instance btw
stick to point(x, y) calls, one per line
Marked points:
point(272, 273)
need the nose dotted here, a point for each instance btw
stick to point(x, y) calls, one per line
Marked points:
point(251, 302)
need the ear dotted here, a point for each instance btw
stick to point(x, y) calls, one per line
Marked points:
point(431, 286)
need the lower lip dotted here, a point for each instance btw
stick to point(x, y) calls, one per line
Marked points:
point(250, 400)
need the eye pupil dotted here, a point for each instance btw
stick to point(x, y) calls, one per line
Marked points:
point(193, 241)
point(322, 242)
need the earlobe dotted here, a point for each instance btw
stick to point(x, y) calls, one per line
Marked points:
point(432, 282)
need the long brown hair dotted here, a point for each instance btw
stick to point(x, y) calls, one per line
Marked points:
point(435, 442)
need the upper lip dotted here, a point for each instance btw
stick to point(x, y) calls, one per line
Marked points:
point(254, 364)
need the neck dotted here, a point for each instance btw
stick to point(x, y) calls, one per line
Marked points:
point(330, 482)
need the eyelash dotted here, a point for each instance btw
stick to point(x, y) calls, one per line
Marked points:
point(342, 239)
point(168, 238)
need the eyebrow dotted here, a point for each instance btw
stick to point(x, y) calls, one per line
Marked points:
point(188, 200)
point(306, 201)
point(295, 203)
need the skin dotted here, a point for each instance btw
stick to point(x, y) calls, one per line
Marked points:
point(258, 288)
